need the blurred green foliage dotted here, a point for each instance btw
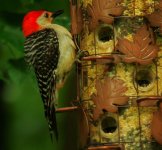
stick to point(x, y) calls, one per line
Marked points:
point(23, 125)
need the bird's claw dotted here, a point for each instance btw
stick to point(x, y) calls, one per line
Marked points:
point(81, 54)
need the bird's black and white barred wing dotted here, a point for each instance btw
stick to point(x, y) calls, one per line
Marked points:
point(41, 44)
point(42, 52)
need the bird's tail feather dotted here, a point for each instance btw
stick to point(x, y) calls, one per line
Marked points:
point(53, 125)
point(47, 90)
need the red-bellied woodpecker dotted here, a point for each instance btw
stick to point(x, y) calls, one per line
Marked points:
point(50, 50)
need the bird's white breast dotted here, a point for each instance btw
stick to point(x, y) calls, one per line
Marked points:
point(67, 50)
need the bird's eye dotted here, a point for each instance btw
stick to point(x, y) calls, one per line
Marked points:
point(46, 15)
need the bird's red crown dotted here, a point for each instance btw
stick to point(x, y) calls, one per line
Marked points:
point(30, 24)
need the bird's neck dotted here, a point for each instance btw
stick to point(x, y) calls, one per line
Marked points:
point(60, 30)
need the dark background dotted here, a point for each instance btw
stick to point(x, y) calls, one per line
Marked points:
point(22, 122)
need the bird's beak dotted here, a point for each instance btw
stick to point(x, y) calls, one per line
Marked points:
point(57, 13)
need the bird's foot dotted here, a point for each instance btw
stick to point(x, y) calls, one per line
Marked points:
point(81, 54)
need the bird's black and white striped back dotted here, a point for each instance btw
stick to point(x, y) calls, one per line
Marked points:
point(42, 52)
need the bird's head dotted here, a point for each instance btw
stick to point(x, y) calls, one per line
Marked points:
point(37, 20)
